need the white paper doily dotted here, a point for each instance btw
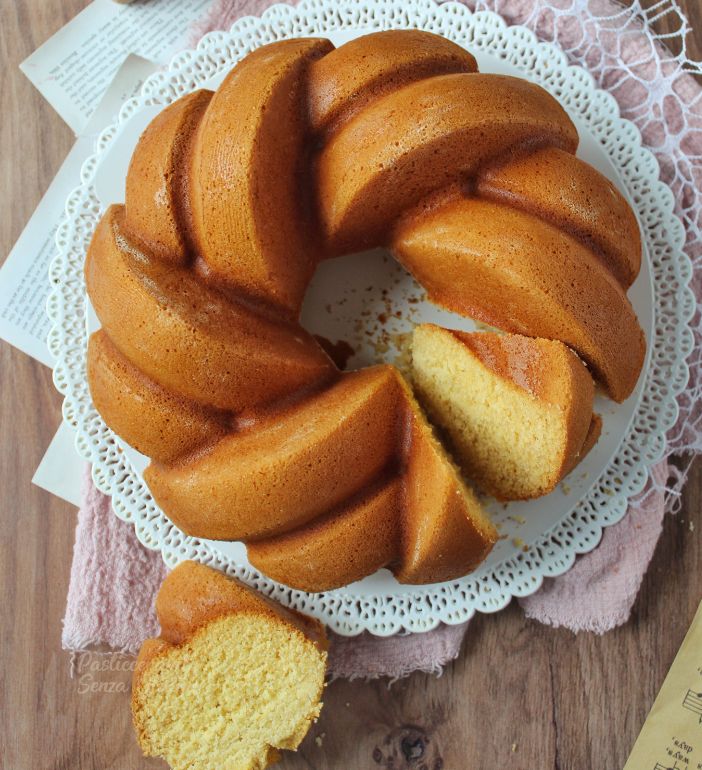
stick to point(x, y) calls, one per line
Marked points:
point(661, 296)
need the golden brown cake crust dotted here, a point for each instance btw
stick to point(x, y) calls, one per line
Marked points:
point(419, 139)
point(190, 338)
point(157, 180)
point(348, 78)
point(334, 549)
point(436, 533)
point(148, 416)
point(291, 467)
point(305, 152)
point(193, 595)
point(250, 223)
point(574, 196)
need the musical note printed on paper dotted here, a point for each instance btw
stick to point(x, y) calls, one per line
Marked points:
point(672, 734)
point(693, 702)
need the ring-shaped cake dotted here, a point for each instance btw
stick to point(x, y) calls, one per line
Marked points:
point(307, 152)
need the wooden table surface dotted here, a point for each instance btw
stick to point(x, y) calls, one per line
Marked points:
point(519, 696)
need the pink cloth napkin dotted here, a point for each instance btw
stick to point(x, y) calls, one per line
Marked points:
point(114, 578)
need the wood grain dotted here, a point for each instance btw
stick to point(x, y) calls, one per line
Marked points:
point(519, 696)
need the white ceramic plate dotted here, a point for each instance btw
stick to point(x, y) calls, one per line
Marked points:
point(542, 537)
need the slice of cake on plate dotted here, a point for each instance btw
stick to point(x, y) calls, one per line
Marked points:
point(516, 410)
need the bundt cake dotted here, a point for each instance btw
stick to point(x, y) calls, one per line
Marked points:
point(516, 410)
point(233, 677)
point(303, 153)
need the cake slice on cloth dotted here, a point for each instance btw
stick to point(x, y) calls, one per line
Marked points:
point(233, 677)
point(517, 411)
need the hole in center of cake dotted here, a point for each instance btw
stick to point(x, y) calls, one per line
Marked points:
point(363, 307)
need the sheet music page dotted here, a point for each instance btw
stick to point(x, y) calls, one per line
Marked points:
point(74, 67)
point(671, 738)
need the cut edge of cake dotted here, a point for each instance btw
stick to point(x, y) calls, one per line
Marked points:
point(516, 411)
point(233, 678)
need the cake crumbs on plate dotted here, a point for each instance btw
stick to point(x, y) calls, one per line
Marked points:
point(403, 361)
point(483, 327)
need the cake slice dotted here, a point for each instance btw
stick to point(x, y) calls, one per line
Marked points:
point(233, 678)
point(446, 534)
point(517, 411)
